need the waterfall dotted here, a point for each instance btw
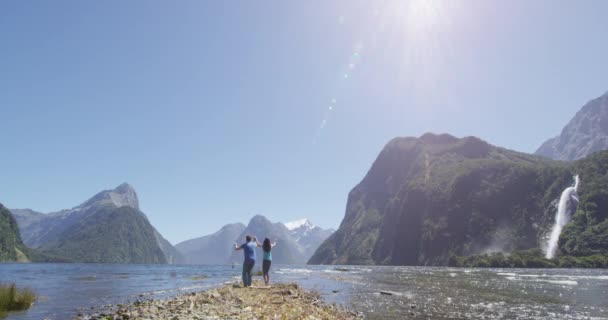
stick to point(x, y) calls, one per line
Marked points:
point(567, 206)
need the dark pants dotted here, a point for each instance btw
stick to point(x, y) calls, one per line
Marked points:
point(266, 266)
point(265, 269)
point(247, 268)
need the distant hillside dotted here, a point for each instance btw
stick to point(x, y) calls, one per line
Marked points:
point(429, 198)
point(11, 247)
point(585, 134)
point(211, 249)
point(294, 246)
point(88, 232)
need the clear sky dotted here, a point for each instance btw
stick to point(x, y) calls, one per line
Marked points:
point(218, 110)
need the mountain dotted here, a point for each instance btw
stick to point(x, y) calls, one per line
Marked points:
point(38, 228)
point(287, 250)
point(211, 249)
point(111, 235)
point(11, 247)
point(585, 134)
point(297, 224)
point(109, 227)
point(427, 199)
point(294, 246)
point(172, 255)
point(308, 236)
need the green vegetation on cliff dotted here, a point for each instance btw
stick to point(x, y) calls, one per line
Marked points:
point(95, 231)
point(587, 233)
point(430, 198)
point(11, 247)
point(111, 235)
point(533, 258)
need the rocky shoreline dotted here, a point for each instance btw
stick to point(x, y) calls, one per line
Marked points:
point(279, 301)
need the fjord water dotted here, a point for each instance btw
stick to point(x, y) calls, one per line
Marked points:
point(378, 292)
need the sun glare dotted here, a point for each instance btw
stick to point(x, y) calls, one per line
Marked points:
point(420, 30)
point(417, 20)
point(421, 16)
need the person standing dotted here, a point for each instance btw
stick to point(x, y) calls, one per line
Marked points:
point(267, 247)
point(249, 258)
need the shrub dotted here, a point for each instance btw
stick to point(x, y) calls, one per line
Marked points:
point(12, 299)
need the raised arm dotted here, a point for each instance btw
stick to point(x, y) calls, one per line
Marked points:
point(273, 244)
point(236, 247)
point(257, 243)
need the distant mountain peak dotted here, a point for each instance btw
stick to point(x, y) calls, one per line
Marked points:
point(299, 223)
point(586, 133)
point(124, 188)
point(434, 138)
point(123, 195)
point(296, 245)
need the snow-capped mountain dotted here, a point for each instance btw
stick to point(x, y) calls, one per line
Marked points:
point(298, 224)
point(308, 236)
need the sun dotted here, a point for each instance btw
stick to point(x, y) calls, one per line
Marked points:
point(423, 13)
point(417, 17)
point(419, 34)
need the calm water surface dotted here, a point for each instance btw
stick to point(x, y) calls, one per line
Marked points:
point(378, 292)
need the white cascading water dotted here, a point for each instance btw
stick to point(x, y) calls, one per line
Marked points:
point(567, 205)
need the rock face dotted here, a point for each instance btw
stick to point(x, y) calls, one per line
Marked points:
point(429, 198)
point(11, 247)
point(585, 134)
point(293, 246)
point(110, 235)
point(211, 249)
point(123, 195)
point(107, 228)
point(172, 255)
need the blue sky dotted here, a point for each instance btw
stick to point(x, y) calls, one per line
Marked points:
point(216, 111)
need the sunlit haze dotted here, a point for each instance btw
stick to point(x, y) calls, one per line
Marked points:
point(217, 111)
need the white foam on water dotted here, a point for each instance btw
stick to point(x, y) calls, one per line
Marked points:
point(534, 278)
point(581, 277)
point(506, 274)
point(564, 282)
point(288, 271)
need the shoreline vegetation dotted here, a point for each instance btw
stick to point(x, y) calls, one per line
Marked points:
point(13, 299)
point(533, 258)
point(232, 301)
